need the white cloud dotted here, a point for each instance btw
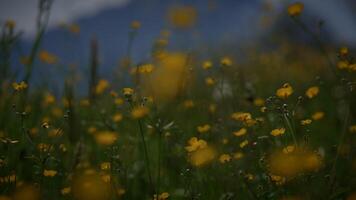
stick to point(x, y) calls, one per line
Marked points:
point(24, 12)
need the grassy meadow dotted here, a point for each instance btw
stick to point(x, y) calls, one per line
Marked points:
point(278, 123)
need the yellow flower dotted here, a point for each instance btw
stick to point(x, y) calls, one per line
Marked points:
point(243, 143)
point(91, 130)
point(105, 166)
point(106, 138)
point(139, 112)
point(226, 61)
point(295, 9)
point(343, 51)
point(66, 190)
point(101, 86)
point(241, 116)
point(49, 99)
point(249, 177)
point(288, 149)
point(306, 122)
point(209, 81)
point(203, 128)
point(240, 132)
point(259, 102)
point(202, 156)
point(224, 158)
point(10, 24)
point(47, 57)
point(263, 109)
point(352, 128)
point(146, 68)
point(127, 92)
point(285, 91)
point(117, 117)
point(182, 16)
point(312, 92)
point(278, 131)
point(194, 144)
point(207, 65)
point(238, 155)
point(162, 196)
point(19, 86)
point(212, 108)
point(342, 64)
point(74, 28)
point(188, 104)
point(119, 101)
point(135, 25)
point(318, 115)
point(278, 180)
point(49, 173)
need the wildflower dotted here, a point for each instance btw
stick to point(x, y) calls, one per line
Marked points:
point(106, 178)
point(49, 99)
point(207, 65)
point(203, 128)
point(226, 61)
point(240, 132)
point(106, 138)
point(209, 81)
point(278, 131)
point(352, 128)
point(162, 196)
point(182, 16)
point(74, 28)
point(139, 112)
point(212, 108)
point(278, 180)
point(10, 24)
point(119, 101)
point(101, 86)
point(91, 130)
point(285, 91)
point(342, 64)
point(288, 149)
point(241, 116)
point(259, 102)
point(66, 190)
point(202, 156)
point(295, 9)
point(117, 117)
point(105, 166)
point(306, 122)
point(343, 51)
point(146, 68)
point(243, 143)
point(47, 57)
point(312, 92)
point(238, 155)
point(135, 25)
point(249, 177)
point(263, 109)
point(128, 92)
point(317, 115)
point(224, 158)
point(188, 104)
point(294, 162)
point(45, 124)
point(19, 86)
point(195, 144)
point(49, 173)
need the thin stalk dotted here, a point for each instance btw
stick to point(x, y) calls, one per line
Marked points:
point(159, 160)
point(147, 160)
point(291, 130)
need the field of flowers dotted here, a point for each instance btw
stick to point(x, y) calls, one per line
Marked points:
point(279, 125)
